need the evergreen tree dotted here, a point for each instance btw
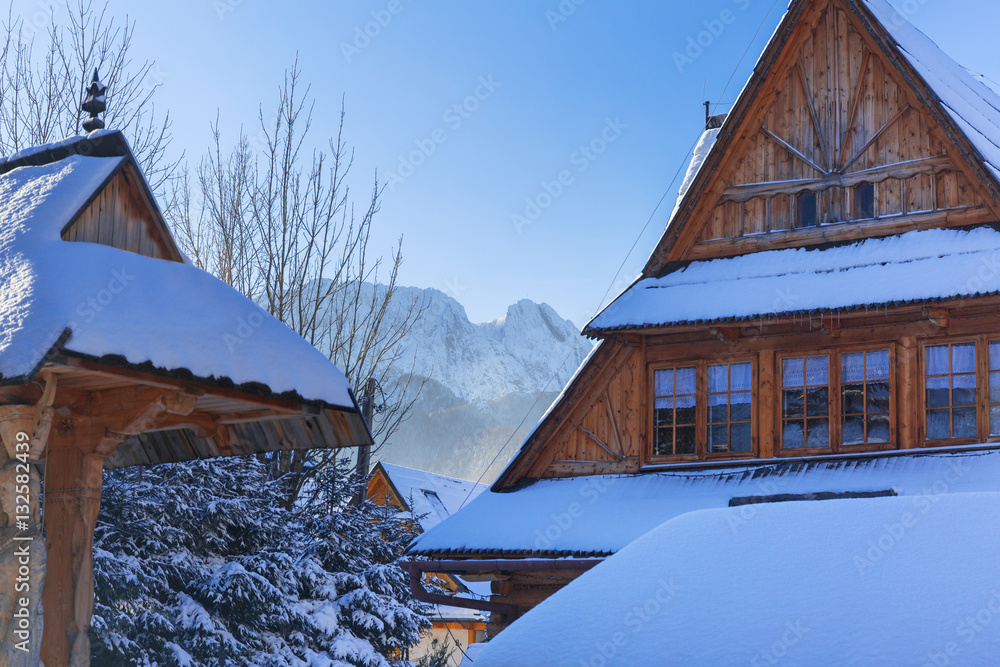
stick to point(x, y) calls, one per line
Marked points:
point(199, 564)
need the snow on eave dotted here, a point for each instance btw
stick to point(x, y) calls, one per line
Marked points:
point(971, 107)
point(925, 266)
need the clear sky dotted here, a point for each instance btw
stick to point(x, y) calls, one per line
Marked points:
point(602, 96)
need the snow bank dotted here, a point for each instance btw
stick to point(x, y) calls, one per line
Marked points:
point(171, 315)
point(917, 266)
point(887, 581)
point(600, 515)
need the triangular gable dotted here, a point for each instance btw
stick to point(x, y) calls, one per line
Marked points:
point(123, 215)
point(835, 102)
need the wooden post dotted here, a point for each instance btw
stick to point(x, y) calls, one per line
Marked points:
point(72, 501)
point(24, 431)
point(364, 463)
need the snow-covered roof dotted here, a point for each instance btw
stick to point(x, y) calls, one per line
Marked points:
point(877, 581)
point(593, 516)
point(429, 496)
point(927, 265)
point(973, 105)
point(96, 300)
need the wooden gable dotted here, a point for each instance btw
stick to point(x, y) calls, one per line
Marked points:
point(832, 141)
point(122, 215)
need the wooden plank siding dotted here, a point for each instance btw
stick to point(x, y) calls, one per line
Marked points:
point(839, 117)
point(832, 103)
point(120, 217)
point(617, 407)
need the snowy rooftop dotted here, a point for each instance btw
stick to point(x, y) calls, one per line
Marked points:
point(918, 266)
point(879, 581)
point(148, 311)
point(588, 516)
point(429, 496)
point(973, 105)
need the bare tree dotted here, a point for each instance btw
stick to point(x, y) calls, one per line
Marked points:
point(282, 228)
point(43, 76)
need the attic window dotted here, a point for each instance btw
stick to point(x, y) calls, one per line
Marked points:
point(863, 199)
point(805, 210)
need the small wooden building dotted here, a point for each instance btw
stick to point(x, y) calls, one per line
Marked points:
point(430, 499)
point(115, 351)
point(824, 304)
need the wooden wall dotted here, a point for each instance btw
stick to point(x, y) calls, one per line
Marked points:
point(838, 115)
point(571, 451)
point(121, 218)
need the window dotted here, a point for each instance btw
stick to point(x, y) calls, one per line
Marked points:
point(674, 400)
point(805, 209)
point(994, 387)
point(863, 197)
point(703, 411)
point(864, 406)
point(729, 408)
point(951, 391)
point(805, 392)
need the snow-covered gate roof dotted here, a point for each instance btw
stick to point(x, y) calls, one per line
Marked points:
point(99, 304)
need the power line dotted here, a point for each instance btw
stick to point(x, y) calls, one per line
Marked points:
point(749, 46)
point(624, 261)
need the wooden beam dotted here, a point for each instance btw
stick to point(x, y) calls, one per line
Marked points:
point(938, 317)
point(835, 233)
point(129, 376)
point(898, 170)
point(613, 422)
point(72, 502)
point(791, 149)
point(855, 103)
point(629, 466)
point(814, 116)
point(600, 443)
point(874, 138)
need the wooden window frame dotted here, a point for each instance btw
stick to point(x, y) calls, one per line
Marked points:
point(836, 415)
point(701, 410)
point(986, 389)
point(697, 409)
point(877, 446)
point(982, 391)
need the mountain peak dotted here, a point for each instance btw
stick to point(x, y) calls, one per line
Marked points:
point(529, 349)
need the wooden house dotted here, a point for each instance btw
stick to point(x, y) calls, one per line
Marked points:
point(116, 351)
point(430, 499)
point(821, 313)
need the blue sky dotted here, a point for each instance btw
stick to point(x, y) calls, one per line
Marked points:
point(587, 108)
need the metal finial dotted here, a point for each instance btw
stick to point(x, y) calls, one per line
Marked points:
point(94, 104)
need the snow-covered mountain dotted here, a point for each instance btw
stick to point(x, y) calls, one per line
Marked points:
point(482, 381)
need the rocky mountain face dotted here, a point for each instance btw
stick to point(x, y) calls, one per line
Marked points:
point(484, 384)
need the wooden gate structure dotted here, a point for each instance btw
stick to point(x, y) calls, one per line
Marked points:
point(94, 375)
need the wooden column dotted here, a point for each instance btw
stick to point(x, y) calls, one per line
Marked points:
point(72, 502)
point(24, 432)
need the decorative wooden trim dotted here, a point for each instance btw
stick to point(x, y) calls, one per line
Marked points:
point(813, 115)
point(841, 231)
point(791, 149)
point(899, 170)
